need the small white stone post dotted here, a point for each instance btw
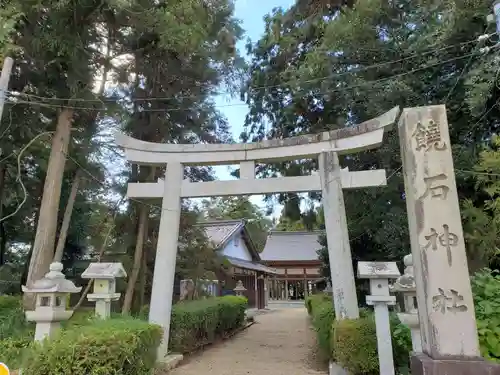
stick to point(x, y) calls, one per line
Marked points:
point(104, 275)
point(50, 309)
point(345, 299)
point(379, 274)
point(405, 285)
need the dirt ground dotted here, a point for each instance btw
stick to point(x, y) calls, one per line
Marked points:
point(280, 343)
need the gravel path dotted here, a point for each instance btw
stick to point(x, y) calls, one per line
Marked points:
point(280, 343)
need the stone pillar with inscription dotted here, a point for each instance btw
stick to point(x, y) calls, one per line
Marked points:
point(444, 296)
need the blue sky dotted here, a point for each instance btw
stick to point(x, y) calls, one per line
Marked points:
point(251, 13)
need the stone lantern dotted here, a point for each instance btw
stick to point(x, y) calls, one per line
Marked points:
point(51, 297)
point(104, 275)
point(239, 288)
point(405, 285)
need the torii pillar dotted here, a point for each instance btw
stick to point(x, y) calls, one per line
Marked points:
point(345, 300)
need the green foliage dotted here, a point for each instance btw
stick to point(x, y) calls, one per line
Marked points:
point(12, 319)
point(486, 291)
point(196, 323)
point(13, 350)
point(313, 300)
point(354, 345)
point(482, 219)
point(114, 346)
point(16, 334)
point(401, 344)
point(198, 259)
point(320, 68)
point(320, 308)
point(353, 342)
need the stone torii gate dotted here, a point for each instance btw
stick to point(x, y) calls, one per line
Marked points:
point(330, 181)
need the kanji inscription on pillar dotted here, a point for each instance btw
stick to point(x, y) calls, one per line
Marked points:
point(450, 301)
point(435, 186)
point(440, 263)
point(428, 137)
point(444, 239)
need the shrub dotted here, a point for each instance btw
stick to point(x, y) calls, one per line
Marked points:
point(354, 345)
point(401, 344)
point(320, 308)
point(13, 323)
point(486, 291)
point(332, 342)
point(322, 320)
point(13, 350)
point(196, 323)
point(314, 300)
point(80, 318)
point(116, 346)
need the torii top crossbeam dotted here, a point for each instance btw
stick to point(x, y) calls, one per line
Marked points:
point(366, 135)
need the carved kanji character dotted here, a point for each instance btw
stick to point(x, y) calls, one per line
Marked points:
point(446, 239)
point(451, 301)
point(437, 190)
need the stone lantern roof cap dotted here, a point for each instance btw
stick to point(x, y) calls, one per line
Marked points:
point(53, 282)
point(104, 271)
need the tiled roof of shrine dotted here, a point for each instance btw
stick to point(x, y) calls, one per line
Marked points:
point(291, 246)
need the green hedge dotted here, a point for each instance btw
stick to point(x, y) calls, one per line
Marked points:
point(353, 343)
point(116, 346)
point(124, 346)
point(195, 323)
point(320, 308)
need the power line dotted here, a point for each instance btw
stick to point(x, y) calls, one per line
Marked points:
point(167, 110)
point(479, 40)
point(318, 79)
point(478, 173)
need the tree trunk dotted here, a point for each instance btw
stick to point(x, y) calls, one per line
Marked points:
point(43, 246)
point(138, 255)
point(63, 233)
point(142, 280)
point(3, 240)
point(142, 235)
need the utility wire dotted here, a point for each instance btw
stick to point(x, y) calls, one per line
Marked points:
point(318, 79)
point(18, 175)
point(167, 110)
point(478, 173)
point(479, 41)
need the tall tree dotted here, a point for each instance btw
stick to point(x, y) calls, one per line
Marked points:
point(326, 67)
